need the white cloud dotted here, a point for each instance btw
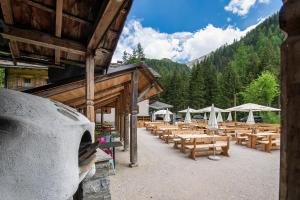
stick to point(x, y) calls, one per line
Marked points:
point(180, 46)
point(242, 7)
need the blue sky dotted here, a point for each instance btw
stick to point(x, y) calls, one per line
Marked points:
point(183, 30)
point(190, 15)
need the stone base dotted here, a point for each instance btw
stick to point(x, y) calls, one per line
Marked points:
point(133, 165)
point(97, 187)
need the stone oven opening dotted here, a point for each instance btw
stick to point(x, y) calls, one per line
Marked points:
point(84, 148)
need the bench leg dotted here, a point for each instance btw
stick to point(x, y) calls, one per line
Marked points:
point(193, 154)
point(225, 151)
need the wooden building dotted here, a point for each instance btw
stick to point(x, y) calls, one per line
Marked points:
point(21, 79)
point(76, 38)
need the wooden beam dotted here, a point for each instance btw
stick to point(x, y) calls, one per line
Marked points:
point(51, 10)
point(100, 101)
point(42, 39)
point(133, 119)
point(9, 19)
point(99, 94)
point(90, 87)
point(107, 102)
point(104, 21)
point(144, 92)
point(58, 27)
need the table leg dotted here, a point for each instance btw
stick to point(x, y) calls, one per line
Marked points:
point(114, 156)
point(254, 142)
point(249, 144)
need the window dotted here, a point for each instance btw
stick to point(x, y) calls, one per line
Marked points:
point(27, 82)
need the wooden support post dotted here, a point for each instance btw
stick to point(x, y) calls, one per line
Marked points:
point(133, 119)
point(126, 116)
point(102, 117)
point(58, 27)
point(289, 18)
point(90, 85)
point(117, 117)
point(126, 131)
point(122, 126)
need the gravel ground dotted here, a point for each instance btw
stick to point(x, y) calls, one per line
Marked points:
point(164, 173)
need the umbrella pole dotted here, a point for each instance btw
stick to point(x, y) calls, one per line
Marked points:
point(214, 157)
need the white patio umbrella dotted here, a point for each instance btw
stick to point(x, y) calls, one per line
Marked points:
point(219, 118)
point(213, 125)
point(187, 118)
point(191, 110)
point(209, 108)
point(167, 116)
point(250, 119)
point(229, 118)
point(251, 106)
point(205, 117)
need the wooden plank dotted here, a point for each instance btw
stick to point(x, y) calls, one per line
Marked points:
point(42, 39)
point(51, 10)
point(58, 27)
point(8, 19)
point(90, 87)
point(133, 118)
point(104, 22)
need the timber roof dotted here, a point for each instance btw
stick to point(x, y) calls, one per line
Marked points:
point(108, 88)
point(56, 33)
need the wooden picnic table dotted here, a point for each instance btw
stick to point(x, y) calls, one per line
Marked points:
point(252, 138)
point(185, 137)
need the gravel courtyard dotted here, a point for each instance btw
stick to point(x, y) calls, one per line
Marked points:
point(166, 174)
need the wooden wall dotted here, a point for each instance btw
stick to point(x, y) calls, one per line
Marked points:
point(19, 79)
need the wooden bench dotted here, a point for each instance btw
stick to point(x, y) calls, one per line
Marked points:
point(170, 135)
point(271, 142)
point(242, 136)
point(205, 146)
point(163, 129)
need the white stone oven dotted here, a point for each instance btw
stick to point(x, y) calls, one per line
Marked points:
point(39, 148)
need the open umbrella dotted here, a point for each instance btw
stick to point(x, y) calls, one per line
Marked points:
point(250, 119)
point(219, 118)
point(187, 118)
point(208, 109)
point(191, 110)
point(229, 118)
point(213, 125)
point(167, 116)
point(251, 106)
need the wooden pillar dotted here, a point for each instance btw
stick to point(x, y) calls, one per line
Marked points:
point(126, 116)
point(122, 113)
point(90, 85)
point(290, 101)
point(126, 131)
point(133, 119)
point(122, 126)
point(102, 117)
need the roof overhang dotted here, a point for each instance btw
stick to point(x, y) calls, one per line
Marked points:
point(60, 33)
point(108, 87)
